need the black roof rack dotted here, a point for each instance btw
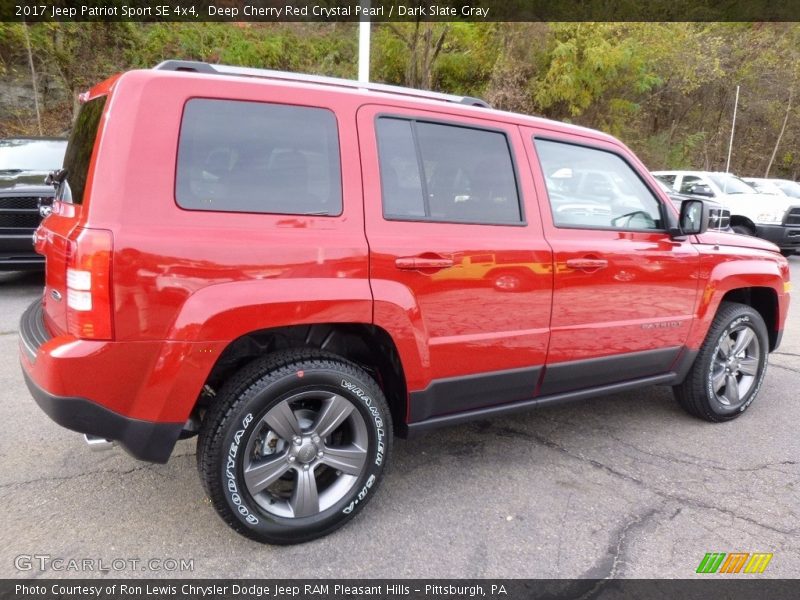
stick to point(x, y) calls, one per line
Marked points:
point(209, 69)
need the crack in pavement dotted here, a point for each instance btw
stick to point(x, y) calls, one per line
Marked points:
point(777, 366)
point(62, 479)
point(65, 478)
point(703, 465)
point(610, 565)
point(619, 547)
point(639, 482)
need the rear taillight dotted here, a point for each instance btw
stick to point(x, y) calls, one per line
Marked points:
point(89, 305)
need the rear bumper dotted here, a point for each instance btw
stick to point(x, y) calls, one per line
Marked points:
point(75, 381)
point(783, 236)
point(145, 440)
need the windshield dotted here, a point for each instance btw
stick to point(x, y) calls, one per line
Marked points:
point(790, 188)
point(730, 184)
point(31, 155)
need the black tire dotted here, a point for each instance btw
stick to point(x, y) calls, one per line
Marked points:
point(242, 431)
point(743, 230)
point(699, 394)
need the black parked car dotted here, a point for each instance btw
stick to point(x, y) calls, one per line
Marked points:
point(24, 196)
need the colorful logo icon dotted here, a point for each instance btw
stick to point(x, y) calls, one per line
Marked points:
point(735, 562)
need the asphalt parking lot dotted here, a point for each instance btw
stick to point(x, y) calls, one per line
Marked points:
point(621, 486)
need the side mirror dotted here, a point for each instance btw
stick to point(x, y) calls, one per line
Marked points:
point(694, 217)
point(701, 190)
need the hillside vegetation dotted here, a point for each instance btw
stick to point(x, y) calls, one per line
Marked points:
point(666, 89)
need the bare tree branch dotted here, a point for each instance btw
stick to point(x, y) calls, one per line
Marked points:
point(33, 78)
point(780, 135)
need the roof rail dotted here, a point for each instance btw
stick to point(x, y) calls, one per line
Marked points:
point(207, 68)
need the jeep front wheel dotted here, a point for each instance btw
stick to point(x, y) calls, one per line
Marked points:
point(295, 446)
point(727, 373)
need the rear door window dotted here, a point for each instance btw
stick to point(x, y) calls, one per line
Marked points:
point(238, 156)
point(446, 173)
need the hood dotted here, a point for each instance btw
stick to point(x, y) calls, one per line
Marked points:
point(26, 181)
point(736, 239)
point(678, 198)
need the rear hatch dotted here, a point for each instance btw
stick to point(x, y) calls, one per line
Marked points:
point(57, 237)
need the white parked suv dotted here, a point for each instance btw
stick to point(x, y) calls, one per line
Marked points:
point(771, 217)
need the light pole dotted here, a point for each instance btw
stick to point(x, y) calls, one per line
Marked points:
point(733, 126)
point(363, 44)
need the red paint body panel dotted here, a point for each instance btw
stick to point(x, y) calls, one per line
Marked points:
point(187, 283)
point(651, 280)
point(153, 381)
point(461, 322)
point(724, 269)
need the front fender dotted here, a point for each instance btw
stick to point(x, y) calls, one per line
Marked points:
point(725, 273)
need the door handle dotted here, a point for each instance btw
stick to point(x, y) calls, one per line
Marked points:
point(587, 264)
point(423, 262)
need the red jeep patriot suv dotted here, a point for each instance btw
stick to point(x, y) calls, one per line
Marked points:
point(297, 268)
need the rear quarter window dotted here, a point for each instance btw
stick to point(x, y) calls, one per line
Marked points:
point(79, 151)
point(238, 156)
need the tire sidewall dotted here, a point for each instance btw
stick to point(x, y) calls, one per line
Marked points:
point(747, 319)
point(244, 422)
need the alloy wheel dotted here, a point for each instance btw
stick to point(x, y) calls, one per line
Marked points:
point(306, 454)
point(734, 367)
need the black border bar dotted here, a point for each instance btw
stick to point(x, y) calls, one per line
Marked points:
point(397, 10)
point(743, 587)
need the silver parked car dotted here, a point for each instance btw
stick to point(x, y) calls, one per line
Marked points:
point(781, 187)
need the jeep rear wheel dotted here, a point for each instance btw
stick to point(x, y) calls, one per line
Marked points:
point(727, 373)
point(295, 446)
